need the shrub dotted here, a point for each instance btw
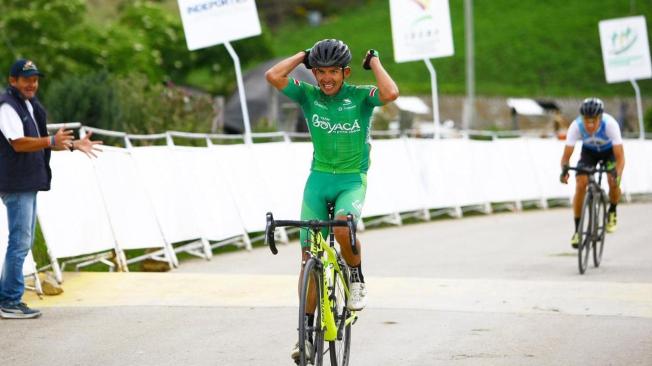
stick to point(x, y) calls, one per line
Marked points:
point(129, 103)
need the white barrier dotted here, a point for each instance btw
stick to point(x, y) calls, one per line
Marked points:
point(72, 214)
point(280, 167)
point(128, 206)
point(251, 194)
point(149, 197)
point(302, 159)
point(443, 162)
point(546, 158)
point(170, 186)
point(637, 176)
point(516, 167)
point(218, 215)
point(393, 184)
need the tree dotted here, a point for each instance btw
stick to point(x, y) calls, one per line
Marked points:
point(111, 75)
point(146, 38)
point(53, 33)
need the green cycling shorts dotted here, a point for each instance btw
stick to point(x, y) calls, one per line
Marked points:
point(346, 190)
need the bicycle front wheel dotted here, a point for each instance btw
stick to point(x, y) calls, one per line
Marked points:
point(311, 336)
point(601, 225)
point(341, 347)
point(585, 231)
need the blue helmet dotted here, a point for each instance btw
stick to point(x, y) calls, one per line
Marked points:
point(591, 107)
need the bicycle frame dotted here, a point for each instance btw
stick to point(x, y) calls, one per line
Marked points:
point(593, 184)
point(330, 264)
point(330, 267)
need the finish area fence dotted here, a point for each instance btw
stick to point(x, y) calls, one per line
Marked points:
point(171, 198)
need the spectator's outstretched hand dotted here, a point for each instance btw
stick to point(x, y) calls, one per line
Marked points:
point(87, 146)
point(63, 139)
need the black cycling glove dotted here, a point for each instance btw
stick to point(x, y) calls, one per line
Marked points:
point(306, 60)
point(367, 60)
point(564, 172)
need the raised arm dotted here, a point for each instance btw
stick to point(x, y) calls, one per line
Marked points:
point(277, 75)
point(388, 91)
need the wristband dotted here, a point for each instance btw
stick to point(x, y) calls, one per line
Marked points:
point(52, 141)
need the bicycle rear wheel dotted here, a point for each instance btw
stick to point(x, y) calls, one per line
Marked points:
point(311, 285)
point(601, 225)
point(585, 231)
point(341, 347)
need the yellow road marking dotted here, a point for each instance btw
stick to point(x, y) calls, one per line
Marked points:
point(90, 289)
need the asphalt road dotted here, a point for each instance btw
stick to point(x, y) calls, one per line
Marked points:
point(500, 289)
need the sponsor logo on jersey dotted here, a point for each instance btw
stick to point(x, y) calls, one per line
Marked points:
point(318, 104)
point(596, 141)
point(326, 124)
point(346, 105)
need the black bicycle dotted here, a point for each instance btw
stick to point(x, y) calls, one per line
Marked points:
point(324, 286)
point(593, 222)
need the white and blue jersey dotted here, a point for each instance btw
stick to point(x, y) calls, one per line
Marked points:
point(605, 137)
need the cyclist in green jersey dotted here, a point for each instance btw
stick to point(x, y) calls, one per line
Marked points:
point(338, 115)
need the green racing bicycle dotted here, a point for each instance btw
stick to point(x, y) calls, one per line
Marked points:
point(326, 276)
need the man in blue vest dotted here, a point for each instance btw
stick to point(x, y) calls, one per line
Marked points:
point(25, 148)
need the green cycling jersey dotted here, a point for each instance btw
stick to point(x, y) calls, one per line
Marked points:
point(339, 125)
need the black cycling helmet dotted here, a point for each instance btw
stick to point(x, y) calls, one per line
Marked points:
point(591, 107)
point(329, 52)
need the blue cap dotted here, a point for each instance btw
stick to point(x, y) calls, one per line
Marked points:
point(25, 68)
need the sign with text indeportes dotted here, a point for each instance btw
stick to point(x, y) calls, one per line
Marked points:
point(210, 22)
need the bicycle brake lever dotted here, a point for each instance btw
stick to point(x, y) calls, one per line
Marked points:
point(351, 224)
point(269, 233)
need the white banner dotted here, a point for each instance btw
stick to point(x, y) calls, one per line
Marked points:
point(625, 49)
point(210, 22)
point(421, 29)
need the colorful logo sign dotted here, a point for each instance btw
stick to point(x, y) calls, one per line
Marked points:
point(424, 4)
point(625, 50)
point(622, 40)
point(421, 29)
